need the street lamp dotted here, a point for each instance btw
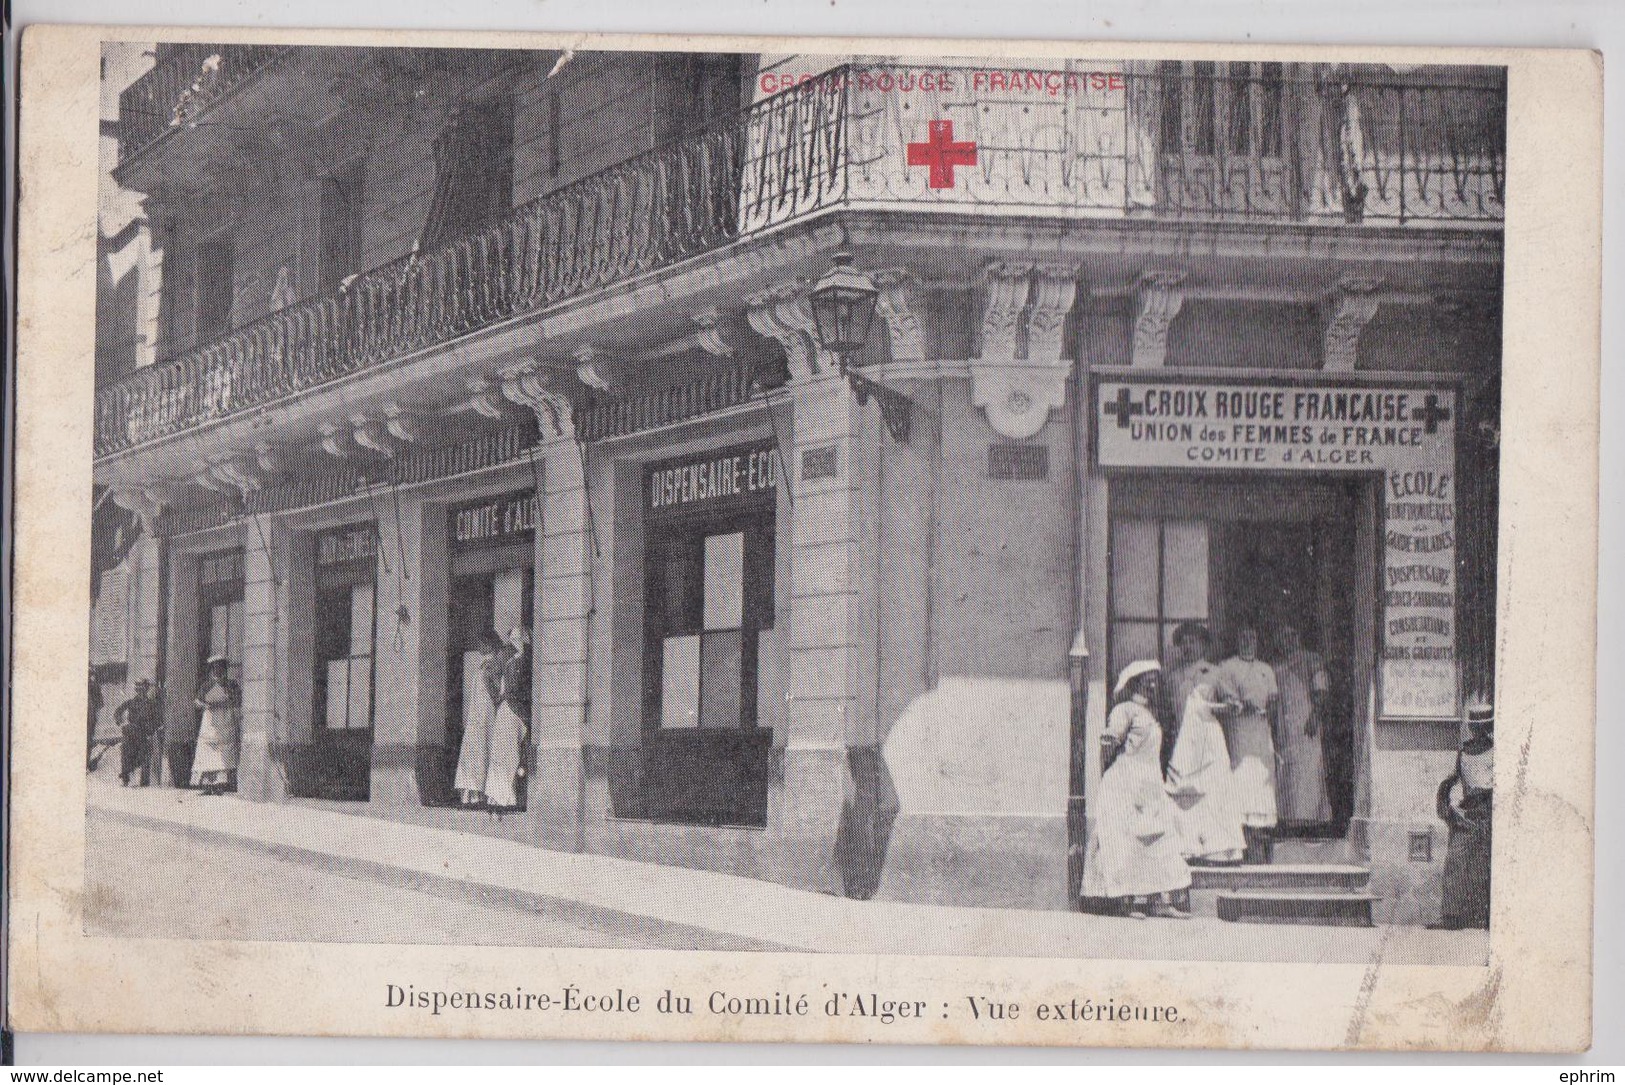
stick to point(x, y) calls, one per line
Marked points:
point(843, 305)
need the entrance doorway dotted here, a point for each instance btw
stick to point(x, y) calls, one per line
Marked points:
point(482, 604)
point(346, 624)
point(1275, 555)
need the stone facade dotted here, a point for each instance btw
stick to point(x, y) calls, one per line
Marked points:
point(930, 595)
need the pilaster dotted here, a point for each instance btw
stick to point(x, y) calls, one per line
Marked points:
point(261, 775)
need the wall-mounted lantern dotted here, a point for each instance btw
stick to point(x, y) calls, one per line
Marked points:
point(843, 305)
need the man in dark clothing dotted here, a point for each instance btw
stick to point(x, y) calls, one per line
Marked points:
point(138, 721)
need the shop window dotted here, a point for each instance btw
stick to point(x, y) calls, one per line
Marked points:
point(344, 634)
point(708, 598)
point(345, 630)
point(1159, 579)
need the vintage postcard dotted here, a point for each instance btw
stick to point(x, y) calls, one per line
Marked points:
point(854, 541)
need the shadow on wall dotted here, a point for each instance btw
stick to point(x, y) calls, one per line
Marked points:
point(866, 822)
point(967, 801)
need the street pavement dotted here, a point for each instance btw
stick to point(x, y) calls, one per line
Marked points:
point(354, 877)
point(145, 882)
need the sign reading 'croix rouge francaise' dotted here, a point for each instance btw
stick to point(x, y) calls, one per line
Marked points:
point(1405, 436)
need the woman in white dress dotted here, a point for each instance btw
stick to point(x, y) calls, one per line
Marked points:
point(474, 755)
point(219, 699)
point(1301, 676)
point(510, 726)
point(1202, 786)
point(1251, 681)
point(1134, 853)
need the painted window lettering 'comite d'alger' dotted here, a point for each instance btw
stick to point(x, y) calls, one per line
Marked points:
point(862, 475)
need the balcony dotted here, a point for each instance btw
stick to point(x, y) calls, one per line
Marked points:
point(186, 81)
point(1259, 145)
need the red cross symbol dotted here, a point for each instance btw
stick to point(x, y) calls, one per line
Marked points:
point(1430, 413)
point(1123, 408)
point(942, 154)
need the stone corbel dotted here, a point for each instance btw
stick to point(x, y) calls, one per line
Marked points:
point(372, 432)
point(338, 440)
point(785, 316)
point(146, 502)
point(402, 424)
point(485, 396)
point(1016, 393)
point(210, 480)
point(591, 367)
point(529, 384)
point(269, 459)
point(240, 471)
point(1349, 311)
point(1055, 291)
point(1008, 286)
point(709, 336)
point(906, 338)
point(1158, 301)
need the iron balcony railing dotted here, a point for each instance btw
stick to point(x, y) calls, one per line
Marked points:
point(187, 79)
point(1190, 142)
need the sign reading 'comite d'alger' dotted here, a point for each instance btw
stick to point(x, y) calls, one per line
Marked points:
point(1405, 434)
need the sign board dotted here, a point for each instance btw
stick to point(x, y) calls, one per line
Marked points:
point(342, 545)
point(1407, 435)
point(1242, 427)
point(712, 479)
point(498, 520)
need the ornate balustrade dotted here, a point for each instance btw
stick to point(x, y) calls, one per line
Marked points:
point(187, 79)
point(1246, 142)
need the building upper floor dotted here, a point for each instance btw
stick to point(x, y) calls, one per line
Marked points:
point(315, 211)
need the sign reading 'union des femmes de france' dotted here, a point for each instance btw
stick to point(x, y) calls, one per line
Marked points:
point(1405, 435)
point(1240, 427)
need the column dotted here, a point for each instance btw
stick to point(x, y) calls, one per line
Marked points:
point(261, 774)
point(408, 727)
point(823, 604)
point(562, 608)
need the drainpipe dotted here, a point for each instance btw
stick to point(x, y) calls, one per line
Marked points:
point(1078, 656)
point(160, 653)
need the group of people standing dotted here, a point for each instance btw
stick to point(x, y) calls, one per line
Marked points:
point(496, 730)
point(1241, 752)
point(140, 721)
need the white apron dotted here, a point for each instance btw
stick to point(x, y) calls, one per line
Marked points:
point(217, 739)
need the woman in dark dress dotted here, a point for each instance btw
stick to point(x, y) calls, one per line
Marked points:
point(1467, 860)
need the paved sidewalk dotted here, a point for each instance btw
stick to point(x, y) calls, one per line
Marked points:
point(713, 910)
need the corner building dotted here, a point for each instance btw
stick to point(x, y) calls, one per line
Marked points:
point(456, 341)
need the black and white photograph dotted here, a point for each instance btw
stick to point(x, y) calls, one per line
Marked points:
point(833, 541)
point(751, 501)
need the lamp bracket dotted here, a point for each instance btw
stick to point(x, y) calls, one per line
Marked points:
point(896, 409)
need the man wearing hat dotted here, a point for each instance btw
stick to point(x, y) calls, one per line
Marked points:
point(1467, 858)
point(138, 719)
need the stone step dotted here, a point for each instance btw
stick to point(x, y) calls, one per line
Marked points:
point(1299, 850)
point(1330, 909)
point(1281, 876)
